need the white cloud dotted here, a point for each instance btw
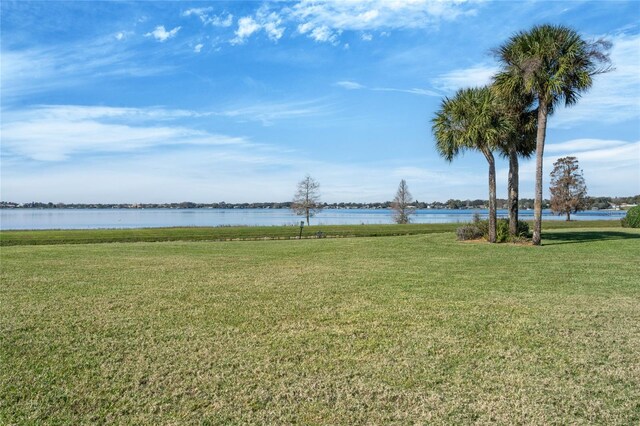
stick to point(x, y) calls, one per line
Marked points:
point(273, 29)
point(305, 28)
point(198, 11)
point(119, 35)
point(352, 85)
point(413, 91)
point(329, 18)
point(207, 19)
point(162, 35)
point(579, 145)
point(319, 33)
point(55, 133)
point(82, 112)
point(324, 34)
point(475, 76)
point(325, 21)
point(246, 26)
point(268, 112)
point(30, 71)
point(198, 47)
point(269, 22)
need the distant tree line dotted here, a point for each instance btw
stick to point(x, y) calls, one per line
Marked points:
point(524, 203)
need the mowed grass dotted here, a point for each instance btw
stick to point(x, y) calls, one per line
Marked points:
point(84, 236)
point(225, 233)
point(408, 329)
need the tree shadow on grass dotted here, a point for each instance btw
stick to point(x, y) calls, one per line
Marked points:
point(553, 238)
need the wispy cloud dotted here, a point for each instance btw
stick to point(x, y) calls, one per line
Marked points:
point(204, 13)
point(269, 112)
point(475, 76)
point(580, 145)
point(59, 132)
point(321, 33)
point(162, 35)
point(413, 91)
point(30, 71)
point(55, 133)
point(352, 85)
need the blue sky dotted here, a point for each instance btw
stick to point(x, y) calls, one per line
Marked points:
point(237, 101)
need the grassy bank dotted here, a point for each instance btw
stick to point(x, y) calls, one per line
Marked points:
point(84, 236)
point(411, 329)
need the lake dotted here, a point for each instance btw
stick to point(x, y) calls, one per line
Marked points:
point(153, 218)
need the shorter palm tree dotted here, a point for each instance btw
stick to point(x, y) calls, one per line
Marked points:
point(471, 120)
point(518, 141)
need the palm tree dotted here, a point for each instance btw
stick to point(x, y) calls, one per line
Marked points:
point(470, 120)
point(554, 64)
point(518, 141)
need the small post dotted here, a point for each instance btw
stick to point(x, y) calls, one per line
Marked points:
point(301, 226)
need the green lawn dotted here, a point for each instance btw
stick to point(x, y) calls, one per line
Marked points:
point(84, 236)
point(404, 329)
point(226, 233)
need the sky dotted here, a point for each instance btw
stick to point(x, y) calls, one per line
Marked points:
point(150, 102)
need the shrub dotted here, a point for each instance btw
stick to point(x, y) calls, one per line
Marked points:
point(502, 230)
point(482, 225)
point(469, 232)
point(632, 219)
point(523, 229)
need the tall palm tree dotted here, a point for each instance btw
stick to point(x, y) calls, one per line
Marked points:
point(470, 120)
point(519, 140)
point(554, 64)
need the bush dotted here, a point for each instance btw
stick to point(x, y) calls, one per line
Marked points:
point(469, 232)
point(480, 229)
point(523, 229)
point(632, 219)
point(502, 231)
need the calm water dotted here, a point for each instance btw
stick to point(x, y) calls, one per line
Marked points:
point(149, 218)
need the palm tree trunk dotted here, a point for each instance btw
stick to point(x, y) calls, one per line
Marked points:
point(540, 137)
point(492, 195)
point(513, 190)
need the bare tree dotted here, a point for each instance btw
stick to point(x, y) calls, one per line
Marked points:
point(401, 204)
point(306, 201)
point(568, 190)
